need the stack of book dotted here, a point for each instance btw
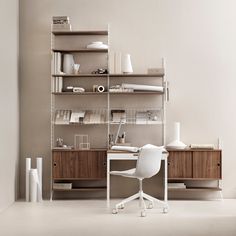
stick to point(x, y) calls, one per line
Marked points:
point(176, 186)
point(61, 23)
point(62, 186)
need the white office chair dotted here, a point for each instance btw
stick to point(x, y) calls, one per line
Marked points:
point(148, 165)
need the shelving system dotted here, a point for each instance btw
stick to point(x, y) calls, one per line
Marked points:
point(64, 161)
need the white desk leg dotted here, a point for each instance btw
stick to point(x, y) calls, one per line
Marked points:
point(165, 182)
point(108, 182)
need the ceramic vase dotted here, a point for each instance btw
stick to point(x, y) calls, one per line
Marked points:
point(68, 64)
point(126, 64)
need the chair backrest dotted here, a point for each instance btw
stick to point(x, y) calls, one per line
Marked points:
point(149, 161)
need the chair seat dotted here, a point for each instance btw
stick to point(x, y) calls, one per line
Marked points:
point(126, 173)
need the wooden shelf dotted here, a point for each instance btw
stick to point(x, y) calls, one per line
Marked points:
point(192, 149)
point(194, 179)
point(111, 75)
point(83, 50)
point(82, 32)
point(81, 189)
point(196, 189)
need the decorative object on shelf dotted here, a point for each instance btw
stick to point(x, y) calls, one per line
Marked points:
point(155, 70)
point(126, 64)
point(78, 90)
point(77, 117)
point(76, 68)
point(121, 139)
point(202, 146)
point(61, 23)
point(97, 45)
point(81, 142)
point(68, 89)
point(33, 177)
point(59, 142)
point(62, 117)
point(141, 87)
point(100, 71)
point(100, 89)
point(68, 64)
point(95, 87)
point(177, 144)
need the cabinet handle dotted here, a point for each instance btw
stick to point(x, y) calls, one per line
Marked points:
point(168, 163)
point(104, 163)
point(218, 164)
point(54, 164)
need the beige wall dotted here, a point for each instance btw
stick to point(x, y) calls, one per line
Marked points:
point(197, 38)
point(9, 103)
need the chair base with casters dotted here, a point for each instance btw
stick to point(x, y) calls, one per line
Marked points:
point(148, 165)
point(141, 196)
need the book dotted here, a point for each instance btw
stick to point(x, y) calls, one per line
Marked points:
point(62, 186)
point(177, 185)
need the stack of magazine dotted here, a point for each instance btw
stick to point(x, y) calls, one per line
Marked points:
point(176, 186)
point(61, 23)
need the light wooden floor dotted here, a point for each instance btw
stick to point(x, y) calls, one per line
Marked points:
point(90, 217)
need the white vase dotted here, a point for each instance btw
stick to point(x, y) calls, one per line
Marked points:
point(68, 64)
point(176, 143)
point(126, 64)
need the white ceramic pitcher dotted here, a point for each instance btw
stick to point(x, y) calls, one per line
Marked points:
point(68, 63)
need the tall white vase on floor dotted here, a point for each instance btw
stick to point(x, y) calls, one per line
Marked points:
point(126, 64)
point(68, 64)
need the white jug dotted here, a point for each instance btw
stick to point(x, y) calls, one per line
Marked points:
point(68, 64)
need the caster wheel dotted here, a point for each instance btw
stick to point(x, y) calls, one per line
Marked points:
point(143, 214)
point(165, 210)
point(150, 205)
point(122, 206)
point(114, 211)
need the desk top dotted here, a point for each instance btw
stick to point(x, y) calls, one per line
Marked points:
point(124, 152)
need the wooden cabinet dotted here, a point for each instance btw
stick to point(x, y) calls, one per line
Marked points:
point(79, 164)
point(207, 165)
point(194, 164)
point(180, 165)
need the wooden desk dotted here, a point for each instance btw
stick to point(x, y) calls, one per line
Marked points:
point(121, 155)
